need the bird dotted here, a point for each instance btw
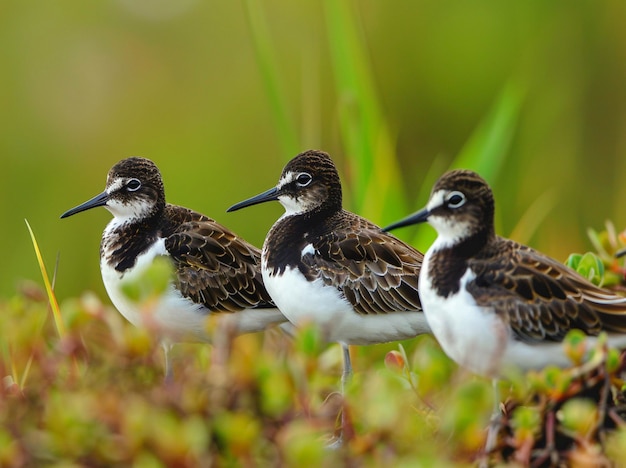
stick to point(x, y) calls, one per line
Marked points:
point(493, 303)
point(326, 265)
point(214, 271)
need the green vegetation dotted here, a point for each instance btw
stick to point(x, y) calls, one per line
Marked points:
point(220, 95)
point(95, 397)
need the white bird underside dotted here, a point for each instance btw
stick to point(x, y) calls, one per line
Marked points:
point(303, 301)
point(477, 339)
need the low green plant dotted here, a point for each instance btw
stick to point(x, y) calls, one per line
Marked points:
point(85, 387)
point(603, 267)
point(95, 397)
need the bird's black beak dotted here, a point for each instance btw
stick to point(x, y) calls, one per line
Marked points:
point(98, 200)
point(620, 253)
point(268, 195)
point(419, 217)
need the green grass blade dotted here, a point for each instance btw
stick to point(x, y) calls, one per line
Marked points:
point(26, 373)
point(487, 148)
point(364, 130)
point(54, 305)
point(269, 71)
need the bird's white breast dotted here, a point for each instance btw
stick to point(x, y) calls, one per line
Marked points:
point(471, 335)
point(171, 314)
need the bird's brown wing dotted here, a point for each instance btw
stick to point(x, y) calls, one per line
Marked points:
point(541, 298)
point(376, 272)
point(217, 268)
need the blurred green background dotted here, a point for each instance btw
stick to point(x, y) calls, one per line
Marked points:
point(221, 94)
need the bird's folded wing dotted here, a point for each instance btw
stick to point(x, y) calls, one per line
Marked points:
point(217, 268)
point(541, 298)
point(377, 273)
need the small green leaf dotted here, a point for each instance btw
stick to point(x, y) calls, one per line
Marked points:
point(588, 265)
point(573, 261)
point(579, 416)
point(613, 361)
point(575, 344)
point(525, 422)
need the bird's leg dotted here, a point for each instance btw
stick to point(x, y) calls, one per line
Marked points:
point(169, 371)
point(494, 422)
point(346, 375)
point(347, 367)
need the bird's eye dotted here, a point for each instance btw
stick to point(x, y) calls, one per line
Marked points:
point(133, 185)
point(303, 179)
point(455, 200)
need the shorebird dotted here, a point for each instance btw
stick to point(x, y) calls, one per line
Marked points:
point(323, 264)
point(494, 304)
point(215, 272)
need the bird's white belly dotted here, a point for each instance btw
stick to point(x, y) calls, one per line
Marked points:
point(171, 315)
point(303, 301)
